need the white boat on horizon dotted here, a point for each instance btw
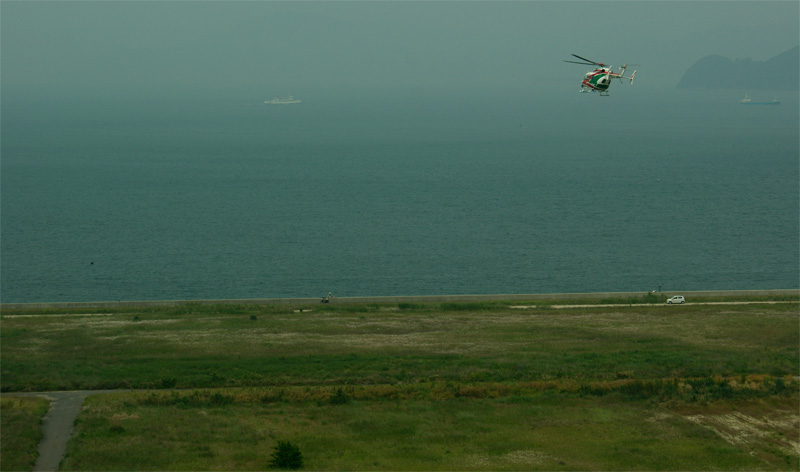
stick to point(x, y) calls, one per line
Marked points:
point(282, 101)
point(747, 101)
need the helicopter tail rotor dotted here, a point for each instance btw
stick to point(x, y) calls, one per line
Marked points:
point(623, 72)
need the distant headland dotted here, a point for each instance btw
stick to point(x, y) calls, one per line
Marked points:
point(781, 72)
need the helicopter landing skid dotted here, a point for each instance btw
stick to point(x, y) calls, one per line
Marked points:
point(602, 93)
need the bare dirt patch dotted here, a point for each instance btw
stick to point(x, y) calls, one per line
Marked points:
point(777, 429)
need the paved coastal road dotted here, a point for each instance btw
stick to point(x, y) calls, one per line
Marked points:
point(611, 305)
point(58, 424)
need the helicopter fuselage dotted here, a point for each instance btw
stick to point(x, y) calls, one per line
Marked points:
point(597, 81)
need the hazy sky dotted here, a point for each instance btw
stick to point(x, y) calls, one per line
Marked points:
point(240, 50)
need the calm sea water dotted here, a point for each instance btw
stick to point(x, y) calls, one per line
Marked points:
point(368, 198)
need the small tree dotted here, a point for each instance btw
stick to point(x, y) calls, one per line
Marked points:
point(286, 456)
point(339, 398)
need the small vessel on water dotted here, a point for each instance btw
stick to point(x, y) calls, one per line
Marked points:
point(282, 101)
point(747, 101)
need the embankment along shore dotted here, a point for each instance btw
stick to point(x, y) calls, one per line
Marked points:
point(395, 299)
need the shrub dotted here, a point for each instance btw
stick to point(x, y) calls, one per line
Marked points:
point(339, 398)
point(464, 306)
point(271, 397)
point(220, 399)
point(286, 456)
point(169, 382)
point(778, 386)
point(115, 425)
point(408, 306)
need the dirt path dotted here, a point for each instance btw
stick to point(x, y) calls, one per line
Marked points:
point(58, 424)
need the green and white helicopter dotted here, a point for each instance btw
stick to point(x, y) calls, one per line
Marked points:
point(599, 79)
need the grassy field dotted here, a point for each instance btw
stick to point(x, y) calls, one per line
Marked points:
point(20, 431)
point(546, 430)
point(475, 386)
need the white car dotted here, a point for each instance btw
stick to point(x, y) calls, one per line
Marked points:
point(676, 299)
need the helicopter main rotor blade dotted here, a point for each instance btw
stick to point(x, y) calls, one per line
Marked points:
point(582, 63)
point(587, 60)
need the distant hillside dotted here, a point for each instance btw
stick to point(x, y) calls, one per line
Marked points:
point(782, 72)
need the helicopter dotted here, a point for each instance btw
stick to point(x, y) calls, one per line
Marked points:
point(599, 79)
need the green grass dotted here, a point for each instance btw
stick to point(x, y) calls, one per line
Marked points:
point(20, 431)
point(544, 430)
point(206, 346)
point(423, 386)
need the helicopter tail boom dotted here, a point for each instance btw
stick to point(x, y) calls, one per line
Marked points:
point(621, 74)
